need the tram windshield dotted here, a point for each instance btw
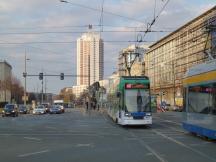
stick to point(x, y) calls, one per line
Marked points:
point(202, 99)
point(137, 100)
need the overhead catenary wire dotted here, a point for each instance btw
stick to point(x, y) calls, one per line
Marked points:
point(78, 32)
point(67, 42)
point(98, 10)
point(149, 26)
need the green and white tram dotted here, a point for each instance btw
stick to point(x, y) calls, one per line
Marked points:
point(200, 100)
point(130, 101)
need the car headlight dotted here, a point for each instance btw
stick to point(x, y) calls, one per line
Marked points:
point(13, 111)
point(3, 111)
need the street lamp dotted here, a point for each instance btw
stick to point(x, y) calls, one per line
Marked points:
point(25, 75)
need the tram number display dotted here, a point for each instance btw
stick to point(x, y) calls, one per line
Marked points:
point(136, 86)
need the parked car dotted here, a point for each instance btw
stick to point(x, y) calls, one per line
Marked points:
point(62, 108)
point(39, 110)
point(23, 109)
point(10, 110)
point(55, 109)
point(47, 107)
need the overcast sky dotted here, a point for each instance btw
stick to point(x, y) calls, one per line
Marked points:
point(34, 24)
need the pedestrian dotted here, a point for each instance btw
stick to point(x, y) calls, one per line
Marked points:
point(86, 105)
point(98, 107)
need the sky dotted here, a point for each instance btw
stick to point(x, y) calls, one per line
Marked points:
point(46, 30)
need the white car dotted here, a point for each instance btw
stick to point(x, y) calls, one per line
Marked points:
point(39, 110)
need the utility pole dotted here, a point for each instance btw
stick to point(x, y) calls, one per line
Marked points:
point(42, 92)
point(128, 61)
point(45, 89)
point(42, 99)
point(25, 74)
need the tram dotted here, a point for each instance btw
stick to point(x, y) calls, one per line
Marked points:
point(200, 100)
point(130, 101)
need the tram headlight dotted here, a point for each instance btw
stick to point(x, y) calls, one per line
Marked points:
point(128, 114)
point(148, 114)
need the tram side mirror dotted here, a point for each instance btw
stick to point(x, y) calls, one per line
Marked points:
point(118, 94)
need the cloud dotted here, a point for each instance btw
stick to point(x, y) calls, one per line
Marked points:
point(51, 15)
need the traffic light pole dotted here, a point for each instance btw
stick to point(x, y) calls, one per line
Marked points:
point(42, 92)
point(25, 83)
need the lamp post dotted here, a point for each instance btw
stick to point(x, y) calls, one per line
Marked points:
point(25, 75)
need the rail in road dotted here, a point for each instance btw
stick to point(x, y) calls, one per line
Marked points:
point(80, 135)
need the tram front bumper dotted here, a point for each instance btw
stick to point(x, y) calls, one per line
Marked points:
point(147, 120)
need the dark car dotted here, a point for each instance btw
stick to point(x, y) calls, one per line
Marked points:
point(23, 109)
point(55, 109)
point(10, 110)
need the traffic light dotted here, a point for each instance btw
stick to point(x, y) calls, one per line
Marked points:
point(62, 76)
point(24, 75)
point(40, 76)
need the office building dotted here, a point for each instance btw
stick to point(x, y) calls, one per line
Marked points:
point(168, 59)
point(90, 56)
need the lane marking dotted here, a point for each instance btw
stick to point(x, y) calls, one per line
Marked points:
point(174, 129)
point(85, 145)
point(33, 153)
point(150, 149)
point(183, 145)
point(155, 153)
point(32, 138)
point(51, 127)
point(169, 121)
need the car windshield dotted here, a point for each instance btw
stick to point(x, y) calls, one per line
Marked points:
point(9, 107)
point(22, 107)
point(137, 100)
point(39, 107)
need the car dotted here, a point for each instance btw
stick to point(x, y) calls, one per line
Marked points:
point(10, 110)
point(55, 109)
point(39, 110)
point(23, 109)
point(62, 107)
point(47, 107)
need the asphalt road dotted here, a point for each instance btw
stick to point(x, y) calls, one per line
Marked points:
point(80, 136)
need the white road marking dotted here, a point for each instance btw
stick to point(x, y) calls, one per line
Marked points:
point(51, 127)
point(83, 125)
point(183, 145)
point(151, 150)
point(33, 153)
point(172, 122)
point(32, 138)
point(85, 145)
point(155, 153)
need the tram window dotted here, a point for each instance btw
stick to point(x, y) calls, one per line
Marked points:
point(137, 100)
point(202, 99)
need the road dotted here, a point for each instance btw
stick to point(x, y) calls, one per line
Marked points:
point(80, 136)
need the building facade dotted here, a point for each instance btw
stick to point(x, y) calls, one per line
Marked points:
point(90, 56)
point(131, 56)
point(5, 81)
point(168, 59)
point(77, 90)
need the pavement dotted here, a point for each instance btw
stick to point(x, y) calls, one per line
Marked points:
point(91, 136)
